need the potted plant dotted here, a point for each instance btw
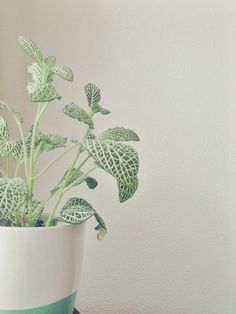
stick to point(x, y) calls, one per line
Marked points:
point(41, 246)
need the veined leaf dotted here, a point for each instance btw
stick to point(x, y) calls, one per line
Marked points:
point(119, 134)
point(49, 142)
point(18, 151)
point(76, 211)
point(118, 159)
point(12, 196)
point(50, 61)
point(64, 72)
point(4, 135)
point(31, 48)
point(6, 147)
point(44, 93)
point(12, 110)
point(35, 71)
point(102, 110)
point(74, 111)
point(93, 94)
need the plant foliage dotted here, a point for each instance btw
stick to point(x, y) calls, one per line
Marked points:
point(108, 151)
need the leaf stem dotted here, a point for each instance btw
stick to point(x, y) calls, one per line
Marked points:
point(50, 218)
point(3, 172)
point(24, 146)
point(54, 161)
point(17, 169)
point(7, 165)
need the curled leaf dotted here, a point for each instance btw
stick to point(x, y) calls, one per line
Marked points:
point(43, 92)
point(17, 115)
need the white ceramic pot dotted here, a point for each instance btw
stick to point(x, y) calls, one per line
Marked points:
point(40, 269)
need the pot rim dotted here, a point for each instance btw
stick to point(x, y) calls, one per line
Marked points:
point(61, 225)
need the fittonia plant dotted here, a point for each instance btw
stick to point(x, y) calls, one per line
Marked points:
point(19, 205)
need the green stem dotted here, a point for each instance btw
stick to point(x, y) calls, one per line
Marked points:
point(40, 111)
point(54, 161)
point(7, 165)
point(17, 169)
point(51, 216)
point(84, 161)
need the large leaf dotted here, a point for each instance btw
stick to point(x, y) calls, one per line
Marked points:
point(12, 110)
point(76, 211)
point(42, 92)
point(49, 142)
point(31, 48)
point(64, 72)
point(4, 135)
point(12, 196)
point(118, 159)
point(74, 111)
point(119, 134)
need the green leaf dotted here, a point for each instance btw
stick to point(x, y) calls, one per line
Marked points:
point(118, 159)
point(31, 48)
point(91, 182)
point(12, 196)
point(35, 71)
point(4, 135)
point(119, 134)
point(18, 151)
point(49, 142)
point(43, 92)
point(93, 94)
point(6, 147)
point(74, 111)
point(76, 211)
point(50, 61)
point(12, 110)
point(64, 72)
point(103, 111)
point(101, 227)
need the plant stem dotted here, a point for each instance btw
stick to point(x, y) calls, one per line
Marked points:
point(54, 161)
point(51, 216)
point(84, 161)
point(17, 169)
point(40, 111)
point(7, 165)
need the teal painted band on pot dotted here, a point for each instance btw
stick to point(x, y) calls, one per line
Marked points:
point(64, 306)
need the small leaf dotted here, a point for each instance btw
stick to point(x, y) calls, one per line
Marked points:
point(12, 196)
point(6, 147)
point(4, 135)
point(76, 211)
point(37, 210)
point(93, 94)
point(91, 182)
point(74, 111)
point(44, 93)
point(50, 141)
point(31, 48)
point(119, 134)
point(50, 61)
point(35, 71)
point(118, 159)
point(11, 110)
point(18, 151)
point(64, 72)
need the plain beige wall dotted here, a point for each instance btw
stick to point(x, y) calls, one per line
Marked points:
point(167, 70)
